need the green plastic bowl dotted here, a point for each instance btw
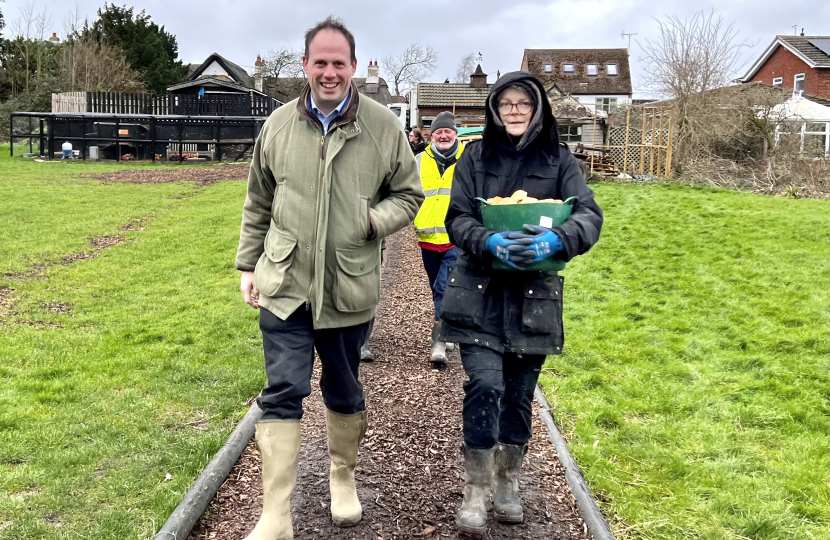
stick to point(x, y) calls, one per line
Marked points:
point(511, 217)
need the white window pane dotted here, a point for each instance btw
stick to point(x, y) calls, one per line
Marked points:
point(592, 69)
point(548, 68)
point(568, 68)
point(612, 69)
point(778, 81)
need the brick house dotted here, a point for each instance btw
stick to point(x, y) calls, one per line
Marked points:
point(798, 62)
point(467, 101)
point(591, 76)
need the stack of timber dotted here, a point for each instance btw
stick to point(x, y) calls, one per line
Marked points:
point(603, 163)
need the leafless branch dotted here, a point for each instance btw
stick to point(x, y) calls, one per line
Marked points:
point(411, 66)
point(465, 68)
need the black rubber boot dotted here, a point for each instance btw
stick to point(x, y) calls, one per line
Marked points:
point(438, 354)
point(365, 354)
point(478, 465)
point(507, 508)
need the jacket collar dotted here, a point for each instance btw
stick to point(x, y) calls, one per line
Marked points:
point(349, 115)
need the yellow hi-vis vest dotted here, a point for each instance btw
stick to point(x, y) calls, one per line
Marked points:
point(429, 223)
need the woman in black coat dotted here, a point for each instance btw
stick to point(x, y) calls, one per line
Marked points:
point(506, 322)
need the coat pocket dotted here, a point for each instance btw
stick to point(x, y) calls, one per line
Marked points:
point(273, 265)
point(357, 281)
point(465, 300)
point(542, 307)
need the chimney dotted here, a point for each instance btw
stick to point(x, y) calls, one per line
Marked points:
point(259, 69)
point(802, 31)
point(478, 79)
point(372, 74)
point(56, 39)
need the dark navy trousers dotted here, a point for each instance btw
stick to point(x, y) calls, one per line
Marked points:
point(438, 265)
point(289, 359)
point(498, 396)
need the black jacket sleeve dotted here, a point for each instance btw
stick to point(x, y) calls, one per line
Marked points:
point(581, 230)
point(463, 220)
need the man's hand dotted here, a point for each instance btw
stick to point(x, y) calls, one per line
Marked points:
point(249, 291)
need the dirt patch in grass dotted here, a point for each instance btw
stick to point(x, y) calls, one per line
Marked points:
point(6, 302)
point(56, 307)
point(203, 176)
point(410, 470)
point(136, 224)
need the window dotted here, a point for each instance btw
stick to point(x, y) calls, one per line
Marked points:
point(570, 133)
point(778, 81)
point(798, 83)
point(608, 105)
point(611, 70)
point(592, 70)
point(568, 68)
point(548, 68)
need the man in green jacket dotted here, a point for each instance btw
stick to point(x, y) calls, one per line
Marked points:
point(332, 175)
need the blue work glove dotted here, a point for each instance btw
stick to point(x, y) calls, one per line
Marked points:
point(511, 247)
point(545, 242)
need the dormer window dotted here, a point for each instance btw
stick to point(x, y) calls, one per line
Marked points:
point(611, 70)
point(592, 70)
point(548, 68)
point(567, 68)
point(778, 81)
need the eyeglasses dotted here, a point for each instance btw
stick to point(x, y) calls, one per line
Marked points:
point(524, 107)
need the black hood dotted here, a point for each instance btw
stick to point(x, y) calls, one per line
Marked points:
point(543, 137)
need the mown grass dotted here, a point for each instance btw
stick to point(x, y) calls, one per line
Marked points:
point(693, 389)
point(145, 373)
point(697, 348)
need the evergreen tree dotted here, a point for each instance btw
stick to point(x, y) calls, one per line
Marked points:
point(150, 49)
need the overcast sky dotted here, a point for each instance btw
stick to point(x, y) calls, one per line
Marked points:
point(499, 29)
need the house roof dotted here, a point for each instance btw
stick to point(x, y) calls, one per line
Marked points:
point(211, 81)
point(237, 72)
point(446, 94)
point(813, 50)
point(781, 93)
point(579, 82)
point(288, 88)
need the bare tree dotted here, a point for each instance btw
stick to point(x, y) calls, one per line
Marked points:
point(283, 63)
point(691, 57)
point(411, 66)
point(465, 68)
point(88, 65)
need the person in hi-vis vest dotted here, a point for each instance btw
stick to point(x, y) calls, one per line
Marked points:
point(436, 165)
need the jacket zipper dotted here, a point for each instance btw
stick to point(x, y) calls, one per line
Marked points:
point(314, 236)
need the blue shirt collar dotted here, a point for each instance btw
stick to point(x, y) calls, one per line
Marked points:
point(324, 119)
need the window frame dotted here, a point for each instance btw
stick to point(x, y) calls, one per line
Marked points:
point(607, 104)
point(778, 81)
point(608, 69)
point(588, 70)
point(802, 78)
point(568, 71)
point(570, 137)
point(548, 68)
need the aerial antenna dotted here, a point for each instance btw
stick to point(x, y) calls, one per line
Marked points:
point(795, 29)
point(629, 34)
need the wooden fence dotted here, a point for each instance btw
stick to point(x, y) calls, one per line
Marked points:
point(184, 104)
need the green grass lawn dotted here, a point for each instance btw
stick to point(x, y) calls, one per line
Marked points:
point(146, 372)
point(697, 352)
point(693, 389)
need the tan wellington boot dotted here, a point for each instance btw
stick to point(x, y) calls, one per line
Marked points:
point(278, 442)
point(478, 466)
point(345, 433)
point(508, 462)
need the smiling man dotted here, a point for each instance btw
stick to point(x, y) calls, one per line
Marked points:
point(332, 175)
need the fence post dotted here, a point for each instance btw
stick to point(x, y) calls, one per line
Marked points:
point(218, 139)
point(11, 135)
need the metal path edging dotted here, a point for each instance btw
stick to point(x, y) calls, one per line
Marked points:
point(197, 498)
point(591, 514)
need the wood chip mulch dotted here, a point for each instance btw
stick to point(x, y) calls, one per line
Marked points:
point(202, 176)
point(410, 470)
